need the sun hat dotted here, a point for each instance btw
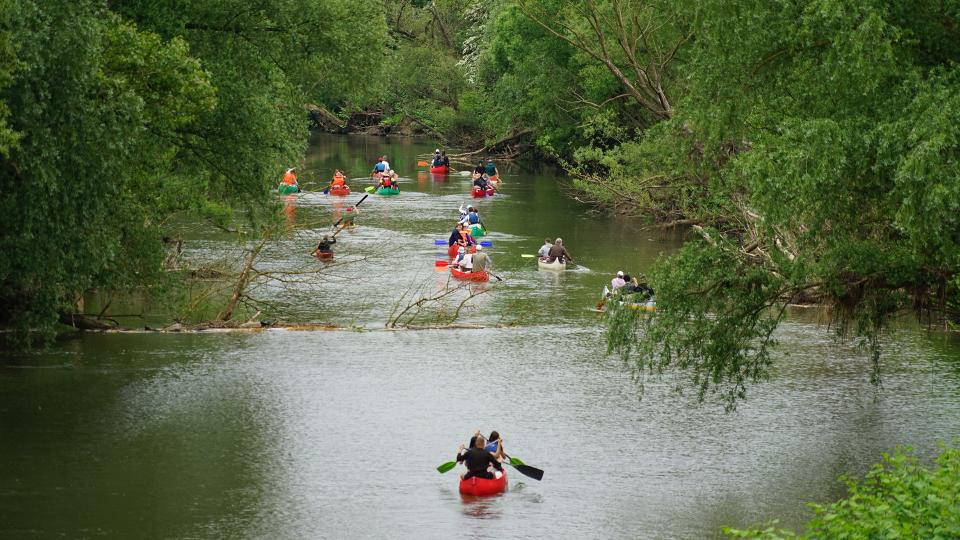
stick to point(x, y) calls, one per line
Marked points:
point(619, 273)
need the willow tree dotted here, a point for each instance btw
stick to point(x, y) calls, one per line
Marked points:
point(114, 118)
point(635, 40)
point(828, 137)
point(591, 78)
point(267, 60)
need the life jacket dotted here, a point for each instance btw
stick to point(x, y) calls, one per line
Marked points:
point(490, 169)
point(289, 178)
point(474, 218)
point(379, 167)
point(465, 236)
point(339, 180)
point(387, 181)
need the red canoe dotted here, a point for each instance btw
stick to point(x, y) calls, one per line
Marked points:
point(442, 169)
point(324, 255)
point(482, 487)
point(452, 250)
point(469, 276)
point(478, 193)
point(341, 191)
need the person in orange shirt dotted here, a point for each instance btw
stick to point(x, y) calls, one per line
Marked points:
point(290, 178)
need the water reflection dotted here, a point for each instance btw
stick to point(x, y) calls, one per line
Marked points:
point(482, 508)
point(290, 210)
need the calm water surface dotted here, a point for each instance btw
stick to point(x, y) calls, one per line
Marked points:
point(287, 434)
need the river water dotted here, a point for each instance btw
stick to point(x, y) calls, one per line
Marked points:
point(289, 434)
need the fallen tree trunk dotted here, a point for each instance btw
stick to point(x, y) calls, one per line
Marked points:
point(83, 322)
point(324, 118)
point(491, 148)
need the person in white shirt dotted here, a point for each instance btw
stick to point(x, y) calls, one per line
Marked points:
point(618, 281)
point(545, 248)
point(466, 264)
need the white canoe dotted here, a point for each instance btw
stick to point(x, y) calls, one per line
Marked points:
point(555, 265)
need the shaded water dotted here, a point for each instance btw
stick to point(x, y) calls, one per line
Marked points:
point(289, 434)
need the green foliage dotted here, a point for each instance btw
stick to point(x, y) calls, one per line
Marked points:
point(713, 322)
point(531, 77)
point(8, 66)
point(266, 63)
point(823, 165)
point(899, 498)
point(424, 83)
point(73, 210)
point(428, 75)
point(113, 119)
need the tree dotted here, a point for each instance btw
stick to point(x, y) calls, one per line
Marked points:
point(76, 184)
point(112, 119)
point(635, 40)
point(827, 138)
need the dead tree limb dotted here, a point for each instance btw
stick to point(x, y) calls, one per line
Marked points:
point(505, 141)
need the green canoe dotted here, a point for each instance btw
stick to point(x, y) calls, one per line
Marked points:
point(388, 191)
point(287, 189)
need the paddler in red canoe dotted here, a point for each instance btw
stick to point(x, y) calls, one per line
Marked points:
point(461, 236)
point(495, 445)
point(323, 248)
point(491, 170)
point(477, 459)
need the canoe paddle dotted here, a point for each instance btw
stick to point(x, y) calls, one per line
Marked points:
point(525, 469)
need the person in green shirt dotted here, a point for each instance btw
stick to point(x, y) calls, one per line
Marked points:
point(491, 169)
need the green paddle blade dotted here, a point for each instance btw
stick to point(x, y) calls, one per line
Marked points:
point(527, 255)
point(516, 461)
point(446, 467)
point(369, 189)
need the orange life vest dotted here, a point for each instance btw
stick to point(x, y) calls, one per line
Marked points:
point(339, 180)
point(289, 178)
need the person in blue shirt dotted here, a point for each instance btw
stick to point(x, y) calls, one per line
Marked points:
point(380, 167)
point(495, 445)
point(472, 216)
